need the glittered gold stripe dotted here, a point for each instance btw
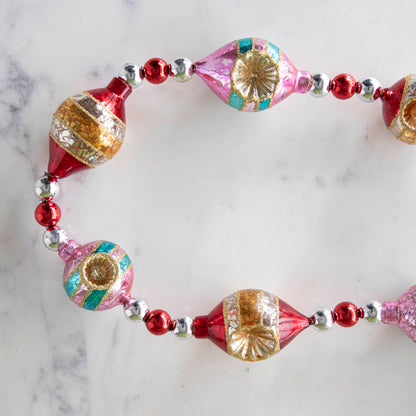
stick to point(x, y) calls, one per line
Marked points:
point(76, 145)
point(249, 305)
point(80, 122)
point(100, 114)
point(277, 324)
point(76, 290)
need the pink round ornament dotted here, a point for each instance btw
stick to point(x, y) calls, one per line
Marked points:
point(97, 275)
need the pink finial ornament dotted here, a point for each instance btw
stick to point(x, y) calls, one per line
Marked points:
point(402, 313)
point(252, 74)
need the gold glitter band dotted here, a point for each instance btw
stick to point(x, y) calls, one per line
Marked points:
point(100, 113)
point(251, 320)
point(78, 120)
point(75, 145)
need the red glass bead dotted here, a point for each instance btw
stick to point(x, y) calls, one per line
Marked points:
point(343, 86)
point(47, 214)
point(346, 314)
point(158, 322)
point(156, 70)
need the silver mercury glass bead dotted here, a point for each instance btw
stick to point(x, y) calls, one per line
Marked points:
point(52, 238)
point(183, 328)
point(323, 319)
point(320, 85)
point(131, 74)
point(372, 312)
point(46, 187)
point(136, 311)
point(182, 69)
point(369, 88)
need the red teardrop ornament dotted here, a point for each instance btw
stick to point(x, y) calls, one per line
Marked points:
point(88, 129)
point(251, 324)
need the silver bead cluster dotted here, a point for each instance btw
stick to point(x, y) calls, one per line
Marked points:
point(182, 69)
point(183, 328)
point(370, 89)
point(46, 187)
point(132, 74)
point(52, 238)
point(320, 85)
point(136, 311)
point(372, 312)
point(324, 319)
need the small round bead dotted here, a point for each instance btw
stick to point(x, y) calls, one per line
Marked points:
point(323, 319)
point(343, 86)
point(320, 85)
point(181, 69)
point(183, 328)
point(53, 237)
point(370, 90)
point(47, 214)
point(156, 70)
point(131, 73)
point(372, 312)
point(136, 310)
point(46, 187)
point(158, 322)
point(346, 314)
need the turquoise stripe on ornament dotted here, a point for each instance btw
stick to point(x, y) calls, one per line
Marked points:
point(124, 263)
point(105, 247)
point(235, 101)
point(263, 105)
point(273, 51)
point(94, 299)
point(72, 284)
point(245, 44)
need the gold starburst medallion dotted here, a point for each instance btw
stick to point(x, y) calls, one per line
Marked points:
point(255, 75)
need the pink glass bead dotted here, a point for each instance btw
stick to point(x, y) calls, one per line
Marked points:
point(97, 275)
point(251, 74)
point(402, 313)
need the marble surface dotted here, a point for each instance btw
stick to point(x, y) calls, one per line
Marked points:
point(312, 200)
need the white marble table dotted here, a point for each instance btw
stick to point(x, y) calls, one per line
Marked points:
point(313, 200)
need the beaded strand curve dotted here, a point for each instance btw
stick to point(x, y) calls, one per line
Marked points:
point(249, 74)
